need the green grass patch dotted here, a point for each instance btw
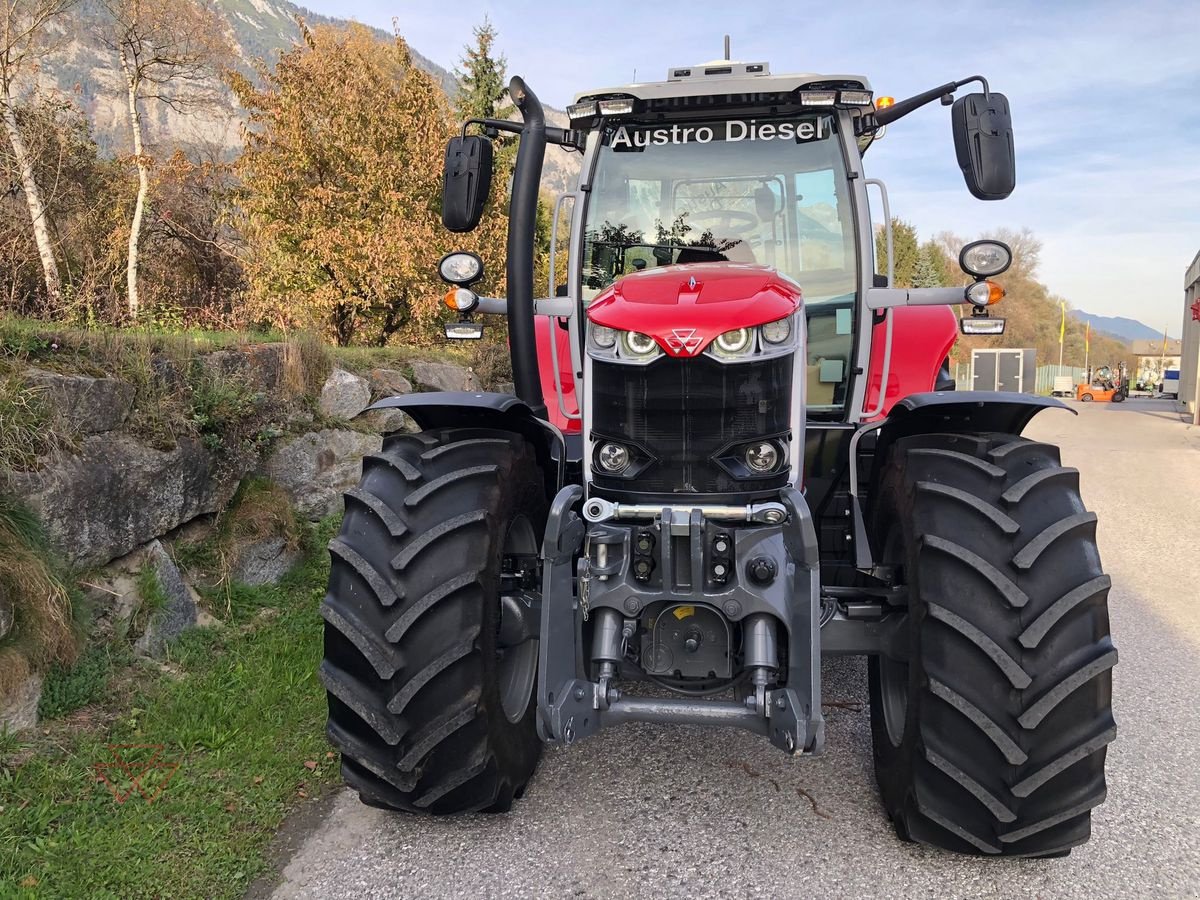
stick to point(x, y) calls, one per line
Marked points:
point(68, 688)
point(241, 712)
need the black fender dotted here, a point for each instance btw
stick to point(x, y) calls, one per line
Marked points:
point(942, 412)
point(969, 411)
point(483, 409)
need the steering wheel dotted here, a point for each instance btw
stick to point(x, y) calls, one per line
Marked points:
point(725, 220)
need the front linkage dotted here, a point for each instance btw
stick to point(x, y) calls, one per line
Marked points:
point(780, 583)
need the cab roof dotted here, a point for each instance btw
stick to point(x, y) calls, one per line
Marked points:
point(725, 78)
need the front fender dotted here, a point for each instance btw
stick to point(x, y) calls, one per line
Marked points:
point(940, 412)
point(483, 409)
point(968, 411)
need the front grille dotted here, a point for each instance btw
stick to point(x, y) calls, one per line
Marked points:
point(683, 412)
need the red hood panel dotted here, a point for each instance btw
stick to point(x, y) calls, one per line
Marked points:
point(685, 307)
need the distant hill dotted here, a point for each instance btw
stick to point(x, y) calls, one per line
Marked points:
point(261, 29)
point(1120, 327)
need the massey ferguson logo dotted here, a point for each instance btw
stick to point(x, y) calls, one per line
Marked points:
point(684, 340)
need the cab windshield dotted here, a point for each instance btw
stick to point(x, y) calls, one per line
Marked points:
point(767, 191)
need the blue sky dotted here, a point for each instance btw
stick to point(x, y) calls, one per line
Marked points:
point(1104, 96)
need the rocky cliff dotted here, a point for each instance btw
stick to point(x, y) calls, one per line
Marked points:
point(146, 459)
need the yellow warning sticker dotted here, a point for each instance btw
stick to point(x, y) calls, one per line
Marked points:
point(684, 612)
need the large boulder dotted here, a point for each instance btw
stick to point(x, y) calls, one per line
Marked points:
point(82, 404)
point(262, 366)
point(264, 561)
point(344, 395)
point(7, 616)
point(178, 610)
point(435, 376)
point(314, 469)
point(388, 383)
point(117, 494)
point(19, 708)
point(385, 421)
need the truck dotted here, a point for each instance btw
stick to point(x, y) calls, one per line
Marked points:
point(732, 449)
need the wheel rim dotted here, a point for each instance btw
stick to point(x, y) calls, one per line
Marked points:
point(893, 673)
point(516, 660)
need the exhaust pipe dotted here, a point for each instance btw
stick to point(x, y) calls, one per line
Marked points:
point(522, 222)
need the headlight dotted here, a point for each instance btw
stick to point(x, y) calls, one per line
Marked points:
point(762, 457)
point(603, 337)
point(636, 345)
point(777, 332)
point(738, 342)
point(983, 259)
point(460, 268)
point(613, 458)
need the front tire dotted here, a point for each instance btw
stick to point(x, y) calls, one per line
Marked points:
point(430, 685)
point(991, 737)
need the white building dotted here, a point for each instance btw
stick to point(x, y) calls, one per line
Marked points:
point(1191, 337)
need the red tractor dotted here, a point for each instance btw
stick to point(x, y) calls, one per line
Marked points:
point(733, 448)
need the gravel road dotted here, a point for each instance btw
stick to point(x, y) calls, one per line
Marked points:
point(653, 811)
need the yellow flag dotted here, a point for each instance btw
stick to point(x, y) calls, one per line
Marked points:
point(1087, 337)
point(1062, 329)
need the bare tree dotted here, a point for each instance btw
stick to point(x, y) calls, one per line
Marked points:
point(168, 51)
point(23, 42)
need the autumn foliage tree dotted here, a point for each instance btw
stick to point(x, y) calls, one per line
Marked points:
point(341, 187)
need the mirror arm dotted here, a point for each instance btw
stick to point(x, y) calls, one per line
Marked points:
point(890, 114)
point(492, 125)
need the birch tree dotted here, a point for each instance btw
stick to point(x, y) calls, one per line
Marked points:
point(25, 40)
point(167, 51)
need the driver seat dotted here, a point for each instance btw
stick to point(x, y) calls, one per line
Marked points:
point(740, 252)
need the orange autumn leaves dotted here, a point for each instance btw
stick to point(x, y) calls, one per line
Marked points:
point(341, 189)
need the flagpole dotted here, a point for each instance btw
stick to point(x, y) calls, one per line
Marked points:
point(1087, 348)
point(1062, 330)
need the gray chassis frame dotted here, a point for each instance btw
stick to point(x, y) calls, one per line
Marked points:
point(571, 706)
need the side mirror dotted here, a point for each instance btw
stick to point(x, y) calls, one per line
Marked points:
point(983, 141)
point(466, 182)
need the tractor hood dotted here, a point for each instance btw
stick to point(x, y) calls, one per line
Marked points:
point(685, 307)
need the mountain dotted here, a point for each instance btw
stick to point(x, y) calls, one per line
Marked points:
point(261, 29)
point(1119, 327)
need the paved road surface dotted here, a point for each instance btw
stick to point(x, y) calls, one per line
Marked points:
point(649, 811)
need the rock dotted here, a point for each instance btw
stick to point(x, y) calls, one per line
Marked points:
point(388, 383)
point(262, 366)
point(176, 615)
point(85, 405)
point(385, 421)
point(506, 387)
point(118, 494)
point(314, 469)
point(344, 395)
point(264, 561)
point(19, 709)
point(436, 376)
point(113, 597)
point(6, 614)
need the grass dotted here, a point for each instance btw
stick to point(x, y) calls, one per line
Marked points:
point(68, 688)
point(26, 424)
point(174, 392)
point(43, 632)
point(260, 509)
point(241, 711)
